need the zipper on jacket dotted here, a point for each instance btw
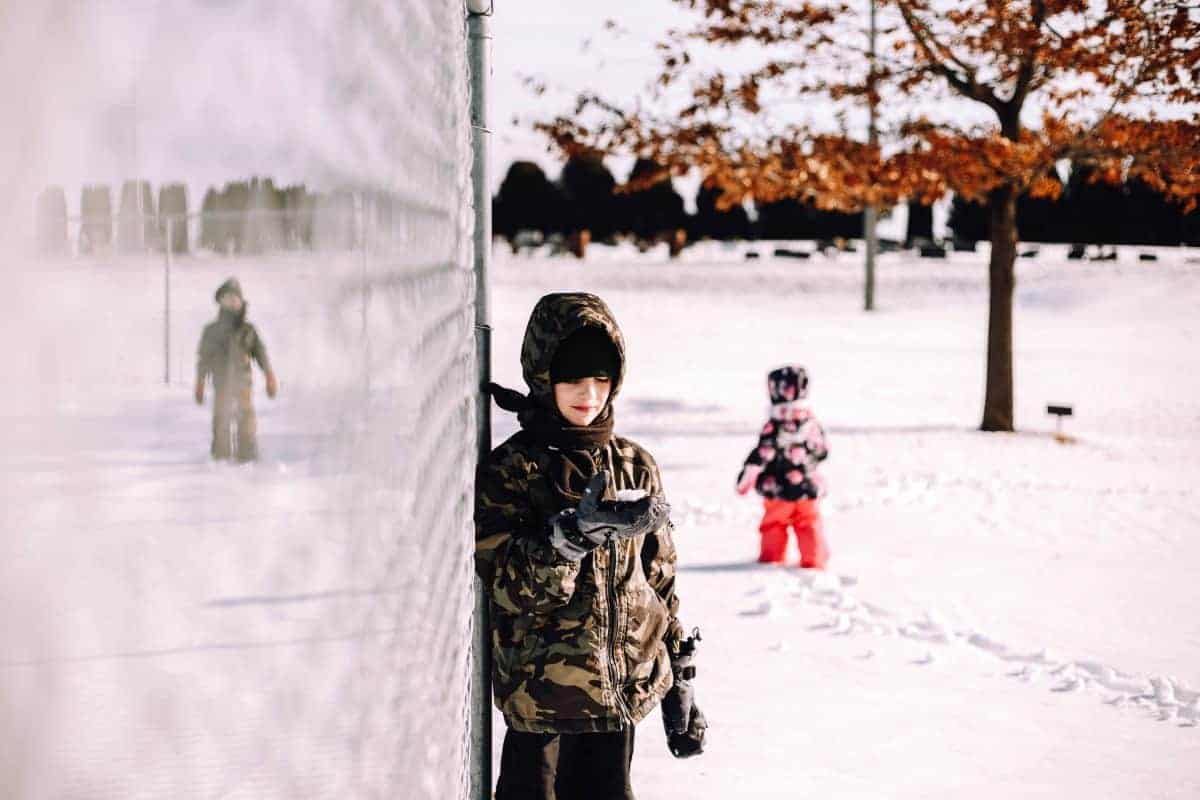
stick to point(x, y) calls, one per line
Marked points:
point(611, 585)
point(622, 711)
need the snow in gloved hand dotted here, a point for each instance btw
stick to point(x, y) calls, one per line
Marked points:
point(574, 532)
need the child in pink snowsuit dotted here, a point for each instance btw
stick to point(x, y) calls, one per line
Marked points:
point(783, 469)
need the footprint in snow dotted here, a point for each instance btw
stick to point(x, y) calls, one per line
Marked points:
point(763, 609)
point(819, 580)
point(1071, 684)
point(1027, 673)
point(838, 625)
point(1166, 697)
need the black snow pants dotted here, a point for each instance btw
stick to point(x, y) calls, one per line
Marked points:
point(580, 766)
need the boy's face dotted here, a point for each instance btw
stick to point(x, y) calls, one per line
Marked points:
point(231, 302)
point(580, 401)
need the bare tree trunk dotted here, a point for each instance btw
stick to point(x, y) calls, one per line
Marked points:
point(998, 396)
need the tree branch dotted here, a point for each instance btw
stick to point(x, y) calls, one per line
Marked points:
point(966, 86)
point(1028, 60)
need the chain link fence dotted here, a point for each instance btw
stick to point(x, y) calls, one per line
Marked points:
point(298, 627)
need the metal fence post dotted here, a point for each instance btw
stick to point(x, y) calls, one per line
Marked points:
point(170, 245)
point(479, 55)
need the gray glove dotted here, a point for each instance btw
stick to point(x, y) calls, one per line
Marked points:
point(575, 532)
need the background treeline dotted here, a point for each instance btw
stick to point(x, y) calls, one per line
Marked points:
point(245, 216)
point(1088, 212)
point(583, 198)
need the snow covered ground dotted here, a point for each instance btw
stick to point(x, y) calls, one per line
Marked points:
point(1005, 615)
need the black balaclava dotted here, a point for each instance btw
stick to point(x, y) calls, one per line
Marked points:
point(587, 353)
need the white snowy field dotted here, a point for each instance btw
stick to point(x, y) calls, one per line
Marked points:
point(179, 628)
point(1005, 616)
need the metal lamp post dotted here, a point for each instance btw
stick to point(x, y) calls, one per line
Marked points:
point(870, 213)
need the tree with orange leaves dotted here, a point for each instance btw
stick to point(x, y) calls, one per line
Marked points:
point(980, 97)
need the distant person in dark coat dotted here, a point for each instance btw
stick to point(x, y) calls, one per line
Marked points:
point(227, 347)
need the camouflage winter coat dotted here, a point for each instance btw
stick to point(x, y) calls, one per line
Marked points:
point(227, 346)
point(577, 646)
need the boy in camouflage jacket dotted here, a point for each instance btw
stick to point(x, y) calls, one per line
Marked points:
point(228, 345)
point(783, 469)
point(585, 634)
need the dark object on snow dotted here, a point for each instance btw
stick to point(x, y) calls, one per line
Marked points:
point(95, 207)
point(792, 219)
point(920, 224)
point(964, 245)
point(838, 244)
point(711, 222)
point(1077, 252)
point(137, 224)
point(683, 720)
point(589, 199)
point(655, 211)
point(52, 221)
point(528, 201)
point(578, 241)
point(173, 207)
point(1105, 254)
point(888, 246)
point(1058, 412)
point(526, 240)
point(932, 250)
point(1147, 257)
point(298, 208)
point(784, 252)
point(263, 227)
point(212, 226)
point(1030, 253)
point(677, 242)
point(751, 255)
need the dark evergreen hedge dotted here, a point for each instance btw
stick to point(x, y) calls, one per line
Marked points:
point(173, 205)
point(95, 230)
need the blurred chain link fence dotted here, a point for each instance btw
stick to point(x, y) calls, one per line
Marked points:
point(297, 628)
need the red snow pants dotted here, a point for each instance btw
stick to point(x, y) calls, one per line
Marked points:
point(805, 519)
